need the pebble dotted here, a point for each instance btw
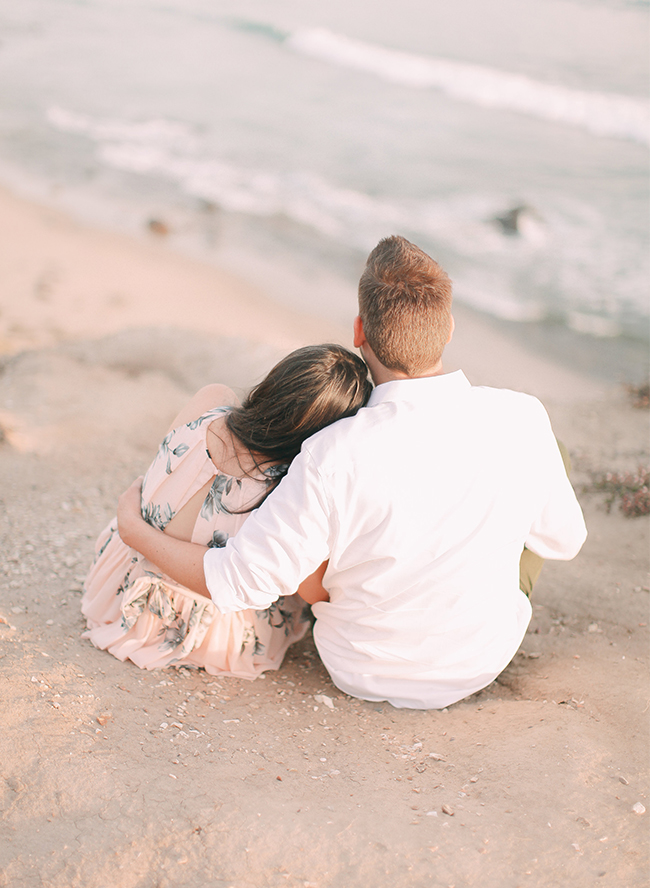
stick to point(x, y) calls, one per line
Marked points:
point(325, 700)
point(104, 717)
point(638, 808)
point(157, 226)
point(624, 781)
point(447, 810)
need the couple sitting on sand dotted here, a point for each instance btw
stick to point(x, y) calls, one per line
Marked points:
point(399, 513)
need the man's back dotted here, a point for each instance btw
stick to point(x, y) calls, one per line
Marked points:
point(423, 503)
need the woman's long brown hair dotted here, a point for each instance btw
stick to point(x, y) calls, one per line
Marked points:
point(306, 391)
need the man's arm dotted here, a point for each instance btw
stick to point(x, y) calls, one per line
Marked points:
point(559, 530)
point(180, 560)
point(279, 545)
point(282, 543)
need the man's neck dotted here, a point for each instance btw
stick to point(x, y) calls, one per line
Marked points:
point(381, 374)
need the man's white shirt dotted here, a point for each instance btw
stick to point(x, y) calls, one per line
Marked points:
point(422, 503)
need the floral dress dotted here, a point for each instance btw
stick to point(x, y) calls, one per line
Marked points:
point(136, 613)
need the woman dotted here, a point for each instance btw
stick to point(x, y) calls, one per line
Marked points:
point(218, 462)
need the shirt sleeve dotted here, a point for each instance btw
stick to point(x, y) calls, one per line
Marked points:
point(559, 530)
point(280, 544)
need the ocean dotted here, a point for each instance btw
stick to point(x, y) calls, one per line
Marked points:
point(281, 140)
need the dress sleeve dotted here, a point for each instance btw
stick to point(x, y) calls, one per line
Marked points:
point(279, 545)
point(559, 530)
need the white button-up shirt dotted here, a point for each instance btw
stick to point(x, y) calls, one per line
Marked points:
point(422, 502)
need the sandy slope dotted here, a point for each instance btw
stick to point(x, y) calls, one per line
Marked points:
point(112, 776)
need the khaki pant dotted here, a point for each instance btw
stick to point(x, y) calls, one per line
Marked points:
point(530, 564)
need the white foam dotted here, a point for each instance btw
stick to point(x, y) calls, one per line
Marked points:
point(564, 249)
point(604, 114)
point(158, 131)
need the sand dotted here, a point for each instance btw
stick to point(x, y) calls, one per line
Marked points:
point(115, 777)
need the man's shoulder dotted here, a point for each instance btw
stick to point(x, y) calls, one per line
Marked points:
point(508, 399)
point(341, 432)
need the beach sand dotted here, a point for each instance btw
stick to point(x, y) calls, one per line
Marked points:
point(175, 779)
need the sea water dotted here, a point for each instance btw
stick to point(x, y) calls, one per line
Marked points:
point(509, 139)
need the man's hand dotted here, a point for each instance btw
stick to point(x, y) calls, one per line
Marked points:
point(180, 560)
point(129, 514)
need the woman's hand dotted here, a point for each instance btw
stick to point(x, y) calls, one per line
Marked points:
point(129, 514)
point(311, 590)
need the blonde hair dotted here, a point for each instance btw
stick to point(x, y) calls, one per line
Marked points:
point(405, 305)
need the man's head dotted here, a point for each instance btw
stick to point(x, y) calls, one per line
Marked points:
point(405, 307)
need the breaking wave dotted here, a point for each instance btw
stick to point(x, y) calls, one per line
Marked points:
point(603, 114)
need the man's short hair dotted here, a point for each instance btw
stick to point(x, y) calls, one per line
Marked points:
point(405, 306)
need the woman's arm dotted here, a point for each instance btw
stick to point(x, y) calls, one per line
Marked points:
point(210, 396)
point(312, 590)
point(180, 560)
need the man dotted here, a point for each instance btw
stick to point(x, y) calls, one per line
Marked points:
point(421, 503)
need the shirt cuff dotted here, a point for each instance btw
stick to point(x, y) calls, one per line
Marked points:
point(224, 598)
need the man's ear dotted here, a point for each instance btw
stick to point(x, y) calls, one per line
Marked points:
point(452, 327)
point(359, 336)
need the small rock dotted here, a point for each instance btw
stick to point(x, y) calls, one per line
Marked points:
point(534, 656)
point(16, 610)
point(447, 810)
point(638, 808)
point(157, 226)
point(104, 717)
point(624, 781)
point(436, 756)
point(593, 627)
point(325, 700)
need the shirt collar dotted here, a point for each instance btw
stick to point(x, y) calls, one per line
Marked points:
point(447, 385)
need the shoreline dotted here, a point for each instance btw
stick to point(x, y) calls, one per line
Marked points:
point(74, 280)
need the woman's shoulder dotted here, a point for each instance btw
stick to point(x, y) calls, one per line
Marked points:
point(209, 398)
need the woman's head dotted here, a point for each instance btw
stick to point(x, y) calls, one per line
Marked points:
point(309, 389)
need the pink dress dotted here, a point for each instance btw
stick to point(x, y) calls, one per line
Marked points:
point(136, 613)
